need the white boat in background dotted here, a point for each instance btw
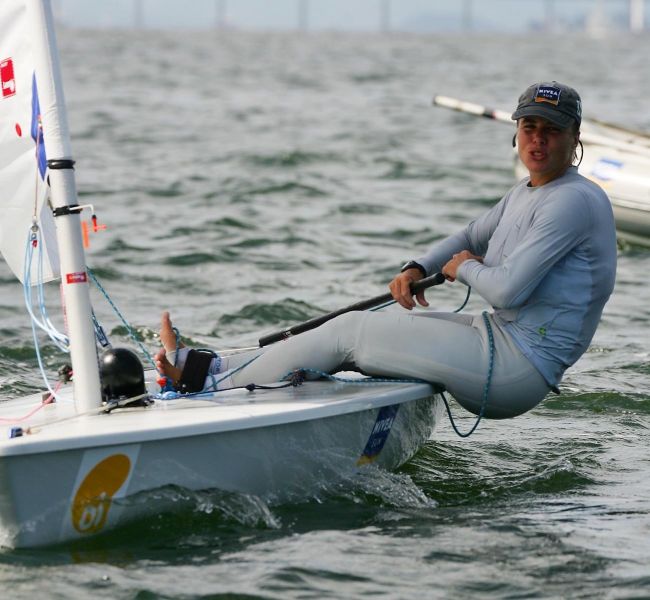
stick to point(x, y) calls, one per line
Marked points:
point(69, 467)
point(616, 158)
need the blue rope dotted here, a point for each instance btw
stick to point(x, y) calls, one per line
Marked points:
point(390, 302)
point(210, 390)
point(46, 325)
point(488, 380)
point(464, 304)
point(486, 388)
point(371, 380)
point(121, 317)
point(374, 308)
point(230, 373)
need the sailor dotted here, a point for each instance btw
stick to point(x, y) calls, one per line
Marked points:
point(544, 259)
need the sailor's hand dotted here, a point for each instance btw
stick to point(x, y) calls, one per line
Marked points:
point(400, 288)
point(450, 270)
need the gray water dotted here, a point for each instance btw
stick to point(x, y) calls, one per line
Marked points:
point(252, 181)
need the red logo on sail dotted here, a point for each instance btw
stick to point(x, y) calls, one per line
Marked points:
point(7, 79)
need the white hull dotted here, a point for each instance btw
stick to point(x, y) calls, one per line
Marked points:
point(77, 478)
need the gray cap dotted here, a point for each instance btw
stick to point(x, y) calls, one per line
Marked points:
point(554, 101)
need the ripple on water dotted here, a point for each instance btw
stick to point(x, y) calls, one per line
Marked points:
point(458, 475)
point(276, 313)
point(322, 169)
point(600, 402)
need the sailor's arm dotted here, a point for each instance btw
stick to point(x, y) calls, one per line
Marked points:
point(560, 224)
point(474, 239)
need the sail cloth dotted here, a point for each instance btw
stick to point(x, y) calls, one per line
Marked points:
point(23, 175)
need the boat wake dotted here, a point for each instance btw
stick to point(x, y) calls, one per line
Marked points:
point(370, 487)
point(244, 509)
point(373, 486)
point(210, 518)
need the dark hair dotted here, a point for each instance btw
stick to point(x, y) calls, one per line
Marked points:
point(575, 130)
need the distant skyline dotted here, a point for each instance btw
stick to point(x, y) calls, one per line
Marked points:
point(351, 15)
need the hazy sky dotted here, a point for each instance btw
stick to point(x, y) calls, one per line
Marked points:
point(363, 15)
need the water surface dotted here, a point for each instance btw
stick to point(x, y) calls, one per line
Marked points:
point(251, 181)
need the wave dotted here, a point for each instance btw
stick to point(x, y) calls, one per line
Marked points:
point(458, 475)
point(276, 313)
point(599, 402)
point(287, 160)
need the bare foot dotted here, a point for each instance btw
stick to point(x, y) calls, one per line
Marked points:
point(167, 334)
point(166, 368)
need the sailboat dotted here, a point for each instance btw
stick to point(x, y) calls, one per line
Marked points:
point(71, 462)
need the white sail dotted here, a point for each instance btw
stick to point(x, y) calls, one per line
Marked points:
point(23, 188)
point(32, 102)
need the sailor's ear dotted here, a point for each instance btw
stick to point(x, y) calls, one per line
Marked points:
point(514, 141)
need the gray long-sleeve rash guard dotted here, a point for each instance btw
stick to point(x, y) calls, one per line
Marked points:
point(548, 269)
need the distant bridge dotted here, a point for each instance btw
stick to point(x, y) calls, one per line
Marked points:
point(468, 10)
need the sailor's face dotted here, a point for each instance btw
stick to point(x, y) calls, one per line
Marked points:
point(545, 149)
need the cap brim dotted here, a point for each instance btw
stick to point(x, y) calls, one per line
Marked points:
point(545, 112)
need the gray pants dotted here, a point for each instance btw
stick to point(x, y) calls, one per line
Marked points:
point(446, 348)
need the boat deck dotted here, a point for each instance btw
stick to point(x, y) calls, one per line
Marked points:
point(56, 425)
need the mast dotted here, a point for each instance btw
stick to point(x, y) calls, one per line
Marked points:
point(63, 194)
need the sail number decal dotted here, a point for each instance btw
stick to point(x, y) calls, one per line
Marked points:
point(7, 78)
point(379, 434)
